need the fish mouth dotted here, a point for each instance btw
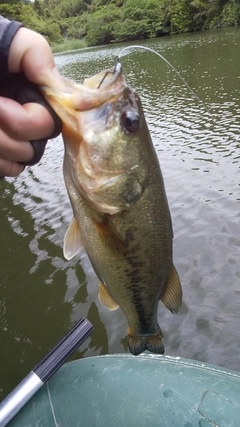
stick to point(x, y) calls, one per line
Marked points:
point(99, 89)
point(92, 93)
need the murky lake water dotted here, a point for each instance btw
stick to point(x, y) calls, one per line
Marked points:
point(42, 295)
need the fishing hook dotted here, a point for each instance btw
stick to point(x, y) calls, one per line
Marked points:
point(117, 60)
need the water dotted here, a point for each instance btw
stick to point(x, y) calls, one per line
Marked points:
point(42, 295)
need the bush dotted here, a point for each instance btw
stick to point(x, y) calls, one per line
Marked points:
point(68, 44)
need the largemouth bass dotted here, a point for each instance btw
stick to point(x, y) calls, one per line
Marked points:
point(121, 214)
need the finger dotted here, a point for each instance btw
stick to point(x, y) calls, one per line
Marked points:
point(12, 150)
point(30, 121)
point(10, 169)
point(30, 52)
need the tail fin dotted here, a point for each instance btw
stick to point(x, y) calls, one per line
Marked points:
point(137, 343)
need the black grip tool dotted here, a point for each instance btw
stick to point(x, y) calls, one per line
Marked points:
point(23, 91)
point(43, 371)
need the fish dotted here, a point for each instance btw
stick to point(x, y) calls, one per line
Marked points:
point(121, 215)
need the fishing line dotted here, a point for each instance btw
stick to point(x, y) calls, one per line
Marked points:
point(207, 109)
point(169, 64)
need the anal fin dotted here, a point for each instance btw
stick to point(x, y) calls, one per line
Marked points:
point(105, 298)
point(172, 298)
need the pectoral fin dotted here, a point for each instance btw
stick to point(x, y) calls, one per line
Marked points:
point(109, 234)
point(172, 298)
point(105, 298)
point(72, 243)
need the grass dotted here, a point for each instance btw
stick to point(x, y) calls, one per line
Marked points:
point(68, 44)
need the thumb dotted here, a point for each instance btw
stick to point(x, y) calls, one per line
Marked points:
point(31, 53)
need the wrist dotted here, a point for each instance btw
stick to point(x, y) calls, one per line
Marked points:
point(8, 30)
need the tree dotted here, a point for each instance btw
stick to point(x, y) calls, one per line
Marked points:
point(227, 14)
point(179, 15)
point(102, 24)
point(141, 19)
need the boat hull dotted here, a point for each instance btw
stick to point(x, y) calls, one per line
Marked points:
point(123, 390)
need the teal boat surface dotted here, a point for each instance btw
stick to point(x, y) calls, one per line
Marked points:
point(147, 390)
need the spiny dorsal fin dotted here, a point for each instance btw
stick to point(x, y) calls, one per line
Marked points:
point(105, 298)
point(172, 298)
point(72, 243)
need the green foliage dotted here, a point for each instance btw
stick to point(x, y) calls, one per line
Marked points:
point(19, 12)
point(10, 2)
point(180, 16)
point(230, 15)
point(200, 11)
point(98, 22)
point(75, 27)
point(52, 32)
point(62, 8)
point(140, 19)
point(70, 8)
point(101, 25)
point(38, 7)
point(68, 44)
point(28, 16)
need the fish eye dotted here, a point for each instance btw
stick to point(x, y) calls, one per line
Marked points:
point(130, 121)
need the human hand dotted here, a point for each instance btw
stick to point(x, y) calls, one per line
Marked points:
point(29, 53)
